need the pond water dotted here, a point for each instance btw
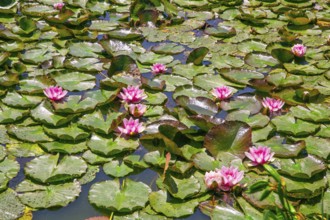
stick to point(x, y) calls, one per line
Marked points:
point(67, 153)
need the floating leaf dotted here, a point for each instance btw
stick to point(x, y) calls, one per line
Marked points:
point(113, 168)
point(40, 196)
point(288, 124)
point(110, 195)
point(10, 206)
point(47, 168)
point(199, 105)
point(32, 134)
point(240, 76)
point(233, 137)
point(108, 147)
point(303, 168)
point(197, 55)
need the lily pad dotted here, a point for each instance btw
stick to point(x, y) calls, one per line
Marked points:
point(232, 136)
point(70, 133)
point(41, 196)
point(108, 147)
point(113, 168)
point(47, 168)
point(175, 208)
point(260, 60)
point(303, 168)
point(10, 207)
point(32, 134)
point(129, 196)
point(289, 125)
point(199, 105)
point(312, 112)
point(240, 76)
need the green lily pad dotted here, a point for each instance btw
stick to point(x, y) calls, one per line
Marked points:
point(109, 146)
point(226, 61)
point(197, 55)
point(150, 58)
point(317, 208)
point(70, 133)
point(47, 168)
point(84, 64)
point(221, 31)
point(45, 114)
point(305, 189)
point(281, 78)
point(32, 134)
point(96, 122)
point(129, 196)
point(252, 46)
point(85, 49)
point(318, 146)
point(224, 211)
point(240, 76)
point(94, 159)
point(303, 168)
point(247, 103)
point(182, 188)
point(313, 112)
point(254, 121)
point(10, 206)
point(286, 150)
point(24, 149)
point(172, 81)
point(64, 147)
point(190, 70)
point(289, 125)
point(47, 196)
point(168, 48)
point(191, 91)
point(260, 60)
point(8, 170)
point(199, 105)
point(232, 136)
point(15, 99)
point(74, 81)
point(309, 70)
point(113, 168)
point(208, 82)
point(171, 208)
point(10, 115)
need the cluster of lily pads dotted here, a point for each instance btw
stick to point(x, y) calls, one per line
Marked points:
point(229, 101)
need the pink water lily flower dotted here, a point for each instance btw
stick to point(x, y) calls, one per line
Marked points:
point(222, 92)
point(230, 177)
point(298, 50)
point(259, 155)
point(55, 93)
point(132, 94)
point(213, 179)
point(130, 127)
point(59, 6)
point(137, 110)
point(158, 68)
point(273, 105)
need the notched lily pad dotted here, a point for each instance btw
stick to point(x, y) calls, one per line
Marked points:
point(111, 195)
point(47, 196)
point(48, 168)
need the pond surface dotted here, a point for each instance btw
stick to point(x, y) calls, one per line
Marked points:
point(67, 153)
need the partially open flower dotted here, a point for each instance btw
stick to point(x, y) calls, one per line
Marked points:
point(230, 177)
point(132, 94)
point(55, 93)
point(222, 92)
point(298, 50)
point(259, 155)
point(137, 110)
point(273, 105)
point(59, 6)
point(131, 127)
point(158, 68)
point(213, 179)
